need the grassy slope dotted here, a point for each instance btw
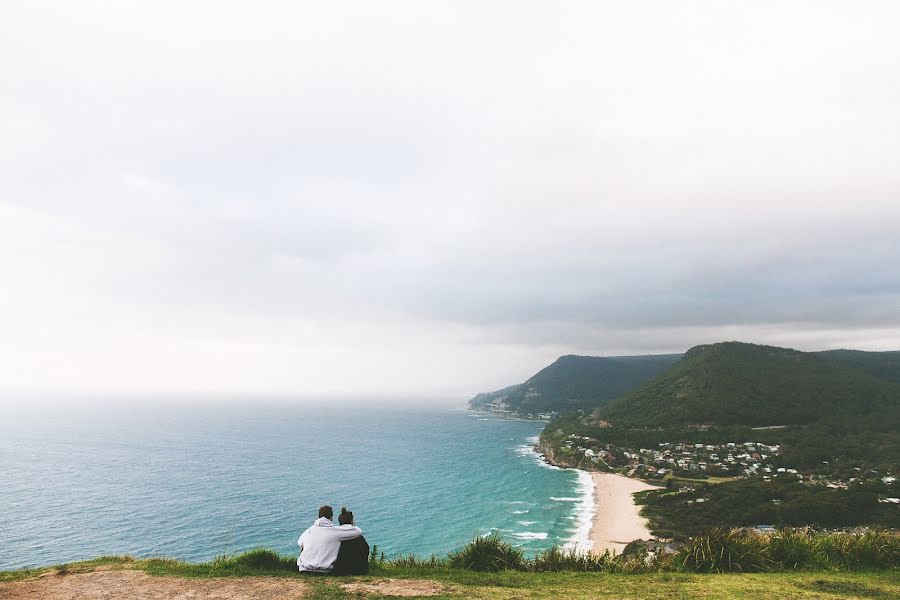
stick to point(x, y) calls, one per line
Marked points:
point(736, 383)
point(508, 585)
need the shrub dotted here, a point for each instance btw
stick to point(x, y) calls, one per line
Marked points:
point(723, 550)
point(793, 549)
point(873, 549)
point(556, 559)
point(488, 553)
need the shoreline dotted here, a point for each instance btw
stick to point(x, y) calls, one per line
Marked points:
point(616, 519)
point(608, 518)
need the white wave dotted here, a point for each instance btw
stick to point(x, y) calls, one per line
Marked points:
point(528, 451)
point(584, 514)
point(556, 499)
point(526, 523)
point(530, 535)
point(520, 512)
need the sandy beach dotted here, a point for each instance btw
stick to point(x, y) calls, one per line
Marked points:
point(616, 519)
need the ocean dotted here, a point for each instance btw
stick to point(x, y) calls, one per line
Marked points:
point(193, 483)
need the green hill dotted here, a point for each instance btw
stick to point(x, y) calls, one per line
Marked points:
point(734, 383)
point(576, 382)
point(883, 365)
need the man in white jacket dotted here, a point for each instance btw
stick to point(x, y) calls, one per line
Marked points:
point(320, 544)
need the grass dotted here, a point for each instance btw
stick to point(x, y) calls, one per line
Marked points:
point(489, 554)
point(713, 479)
point(508, 585)
point(718, 564)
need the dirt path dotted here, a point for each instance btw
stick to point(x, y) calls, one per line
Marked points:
point(138, 585)
point(109, 584)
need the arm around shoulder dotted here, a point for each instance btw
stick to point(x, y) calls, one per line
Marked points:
point(349, 533)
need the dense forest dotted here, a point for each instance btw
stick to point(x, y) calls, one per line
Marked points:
point(576, 383)
point(750, 502)
point(745, 384)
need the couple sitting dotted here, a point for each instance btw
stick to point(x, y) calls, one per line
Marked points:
point(340, 550)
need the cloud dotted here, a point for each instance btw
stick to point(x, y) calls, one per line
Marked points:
point(436, 197)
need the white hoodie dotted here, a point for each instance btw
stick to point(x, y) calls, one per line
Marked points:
point(320, 544)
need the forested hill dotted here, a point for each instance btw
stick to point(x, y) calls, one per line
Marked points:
point(735, 383)
point(884, 365)
point(576, 382)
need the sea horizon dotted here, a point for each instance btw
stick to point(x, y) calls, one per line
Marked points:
point(194, 483)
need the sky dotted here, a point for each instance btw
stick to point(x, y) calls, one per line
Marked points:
point(436, 198)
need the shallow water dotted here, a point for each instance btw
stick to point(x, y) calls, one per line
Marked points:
point(194, 483)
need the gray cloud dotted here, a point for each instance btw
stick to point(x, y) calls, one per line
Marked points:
point(436, 197)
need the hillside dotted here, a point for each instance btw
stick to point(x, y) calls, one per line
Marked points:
point(735, 383)
point(883, 365)
point(576, 382)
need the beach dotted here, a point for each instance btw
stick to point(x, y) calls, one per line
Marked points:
point(616, 519)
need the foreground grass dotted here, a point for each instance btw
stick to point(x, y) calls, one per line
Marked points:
point(460, 583)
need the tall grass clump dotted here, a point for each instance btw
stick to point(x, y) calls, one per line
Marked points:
point(376, 558)
point(256, 560)
point(793, 549)
point(722, 550)
point(412, 561)
point(874, 549)
point(557, 559)
point(489, 553)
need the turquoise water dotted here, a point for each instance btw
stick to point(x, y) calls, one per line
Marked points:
point(192, 483)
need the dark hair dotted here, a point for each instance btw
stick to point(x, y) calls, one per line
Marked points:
point(346, 517)
point(325, 511)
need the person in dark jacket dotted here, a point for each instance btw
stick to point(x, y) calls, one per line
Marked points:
point(353, 558)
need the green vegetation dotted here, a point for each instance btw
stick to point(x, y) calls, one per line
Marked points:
point(789, 563)
point(883, 365)
point(753, 501)
point(744, 384)
point(733, 550)
point(490, 554)
point(575, 383)
point(827, 425)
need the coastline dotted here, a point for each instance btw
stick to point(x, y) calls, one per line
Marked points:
point(616, 518)
point(608, 518)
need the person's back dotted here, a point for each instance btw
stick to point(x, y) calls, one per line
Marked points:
point(321, 543)
point(353, 558)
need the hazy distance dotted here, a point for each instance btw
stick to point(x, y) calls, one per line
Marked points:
point(434, 199)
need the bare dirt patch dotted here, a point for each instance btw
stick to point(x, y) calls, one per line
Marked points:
point(397, 587)
point(109, 585)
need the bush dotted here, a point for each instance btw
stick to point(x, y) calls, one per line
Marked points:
point(724, 550)
point(556, 559)
point(793, 549)
point(873, 549)
point(488, 553)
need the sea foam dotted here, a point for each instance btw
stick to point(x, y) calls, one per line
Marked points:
point(530, 535)
point(528, 450)
point(584, 512)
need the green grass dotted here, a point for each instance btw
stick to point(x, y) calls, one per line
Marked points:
point(710, 480)
point(460, 583)
point(717, 564)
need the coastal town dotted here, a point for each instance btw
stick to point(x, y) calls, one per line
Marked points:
point(711, 462)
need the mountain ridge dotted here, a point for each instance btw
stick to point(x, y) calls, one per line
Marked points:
point(735, 383)
point(575, 382)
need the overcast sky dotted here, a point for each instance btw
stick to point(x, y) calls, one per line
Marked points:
point(436, 198)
